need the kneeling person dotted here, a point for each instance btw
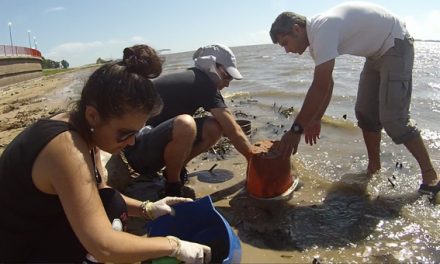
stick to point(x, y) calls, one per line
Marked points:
point(172, 138)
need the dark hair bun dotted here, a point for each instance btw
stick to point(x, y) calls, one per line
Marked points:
point(143, 60)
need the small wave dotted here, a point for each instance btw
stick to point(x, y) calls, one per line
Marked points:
point(236, 95)
point(337, 122)
point(435, 86)
point(266, 93)
point(277, 93)
point(274, 109)
point(432, 138)
point(272, 93)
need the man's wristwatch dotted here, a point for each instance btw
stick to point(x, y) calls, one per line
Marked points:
point(297, 128)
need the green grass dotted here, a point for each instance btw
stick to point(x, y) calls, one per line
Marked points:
point(47, 72)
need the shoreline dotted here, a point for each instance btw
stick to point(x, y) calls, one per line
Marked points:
point(327, 219)
point(23, 103)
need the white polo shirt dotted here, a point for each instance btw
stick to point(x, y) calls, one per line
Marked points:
point(355, 28)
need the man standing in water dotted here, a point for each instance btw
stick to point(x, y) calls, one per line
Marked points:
point(385, 85)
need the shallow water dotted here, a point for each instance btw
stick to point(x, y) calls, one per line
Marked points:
point(342, 215)
point(339, 215)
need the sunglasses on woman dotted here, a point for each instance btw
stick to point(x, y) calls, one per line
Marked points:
point(124, 135)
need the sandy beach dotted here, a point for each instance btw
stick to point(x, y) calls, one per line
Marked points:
point(326, 221)
point(23, 103)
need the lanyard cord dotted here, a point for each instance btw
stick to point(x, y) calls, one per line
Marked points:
point(97, 175)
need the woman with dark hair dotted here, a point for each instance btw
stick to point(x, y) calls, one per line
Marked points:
point(55, 207)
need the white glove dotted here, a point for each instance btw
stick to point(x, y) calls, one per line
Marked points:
point(152, 211)
point(189, 252)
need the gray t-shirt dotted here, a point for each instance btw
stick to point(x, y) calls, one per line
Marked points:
point(355, 28)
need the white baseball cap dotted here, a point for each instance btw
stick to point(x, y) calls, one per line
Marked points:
point(221, 55)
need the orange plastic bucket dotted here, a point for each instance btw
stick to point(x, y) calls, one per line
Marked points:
point(268, 176)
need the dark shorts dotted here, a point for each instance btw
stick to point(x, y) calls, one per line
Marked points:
point(147, 155)
point(115, 206)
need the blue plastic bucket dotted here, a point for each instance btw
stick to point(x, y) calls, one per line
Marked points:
point(200, 222)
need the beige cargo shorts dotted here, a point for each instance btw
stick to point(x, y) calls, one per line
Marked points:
point(384, 92)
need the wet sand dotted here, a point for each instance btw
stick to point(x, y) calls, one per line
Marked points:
point(323, 221)
point(23, 103)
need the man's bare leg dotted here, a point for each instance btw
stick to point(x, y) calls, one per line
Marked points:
point(418, 150)
point(179, 148)
point(211, 134)
point(372, 142)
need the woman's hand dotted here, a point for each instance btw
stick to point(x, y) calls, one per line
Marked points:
point(189, 252)
point(152, 211)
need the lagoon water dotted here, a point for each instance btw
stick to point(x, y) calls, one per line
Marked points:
point(342, 216)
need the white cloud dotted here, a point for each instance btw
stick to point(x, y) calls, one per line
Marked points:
point(81, 53)
point(427, 27)
point(54, 9)
point(72, 49)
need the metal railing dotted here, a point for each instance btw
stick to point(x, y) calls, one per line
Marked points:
point(7, 50)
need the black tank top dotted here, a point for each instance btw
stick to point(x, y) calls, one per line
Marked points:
point(33, 226)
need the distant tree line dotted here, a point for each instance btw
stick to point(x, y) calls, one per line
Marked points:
point(50, 64)
point(102, 61)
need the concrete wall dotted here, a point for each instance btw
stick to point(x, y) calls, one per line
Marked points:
point(19, 68)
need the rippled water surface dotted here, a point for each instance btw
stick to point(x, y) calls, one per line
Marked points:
point(340, 214)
